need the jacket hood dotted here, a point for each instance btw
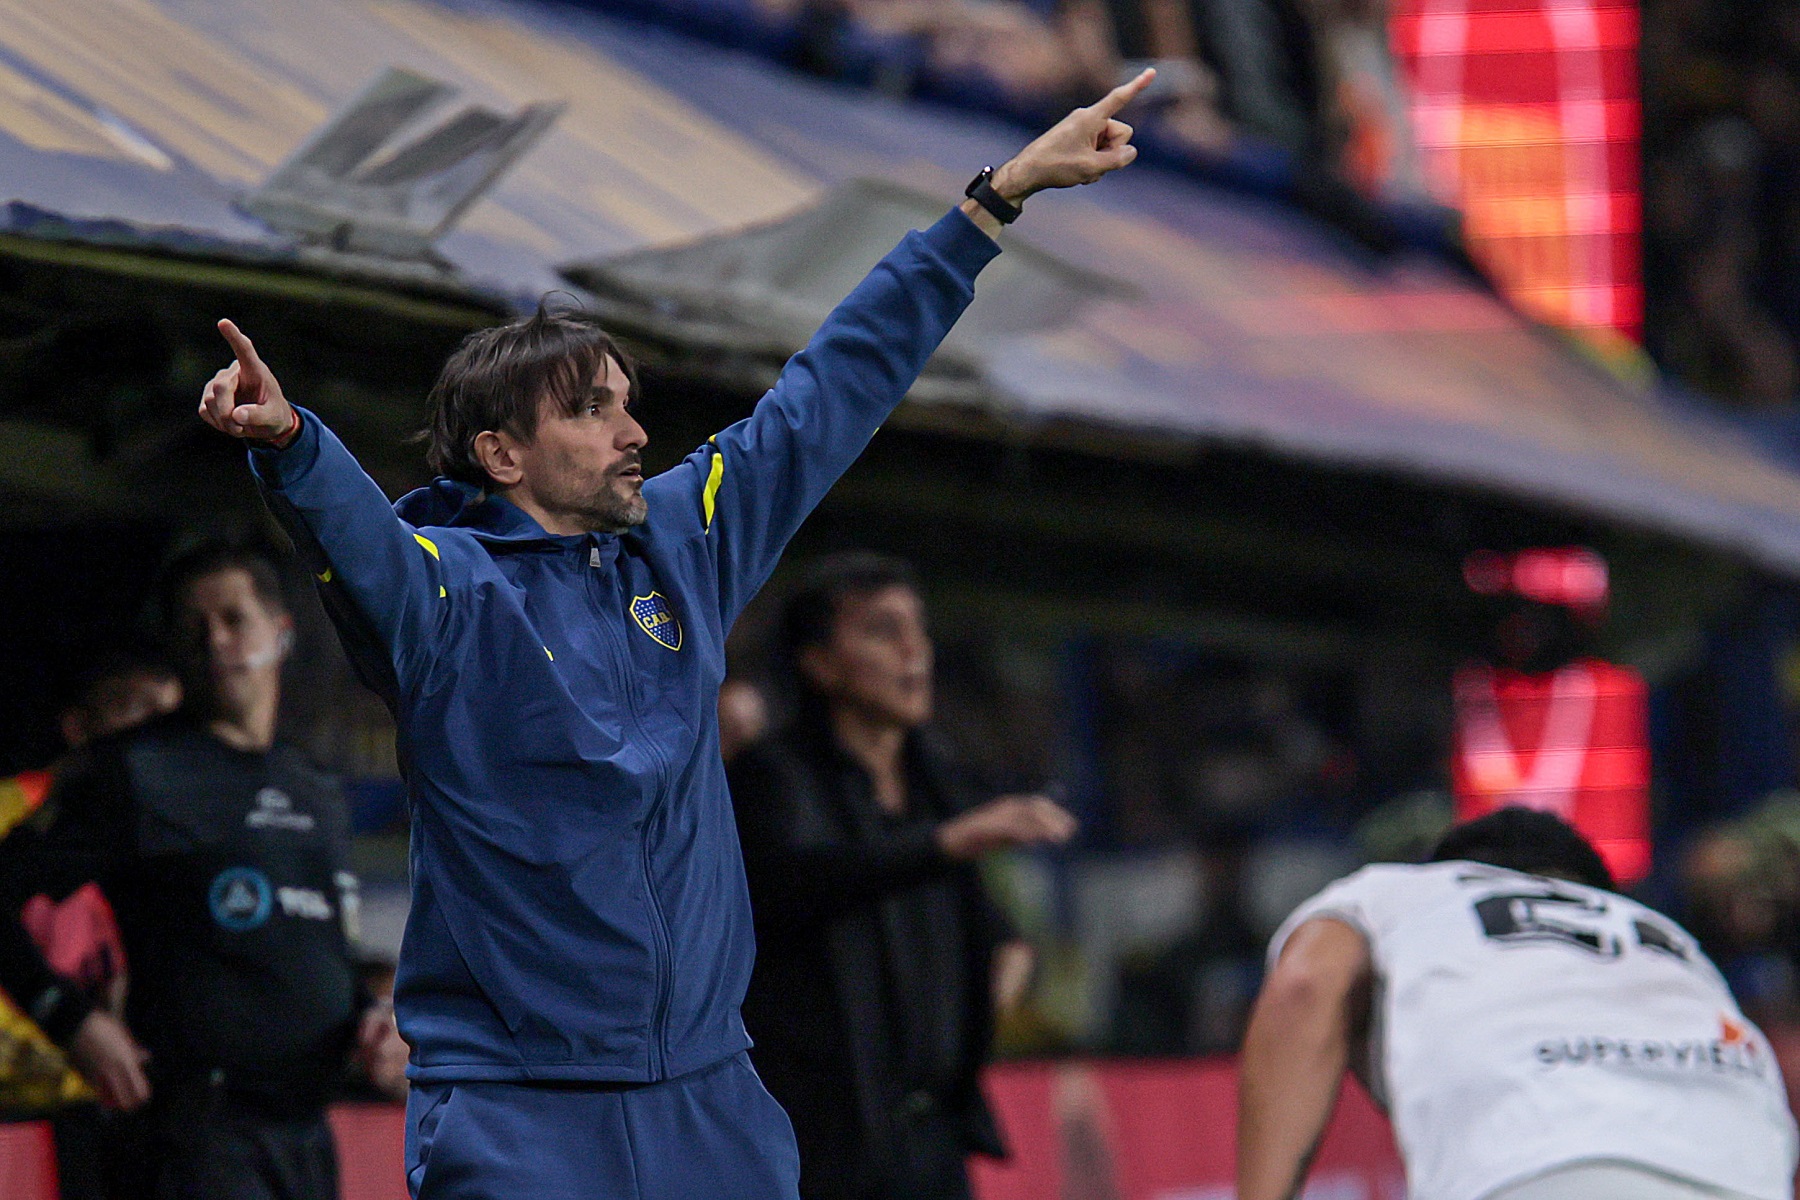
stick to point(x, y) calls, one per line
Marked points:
point(451, 504)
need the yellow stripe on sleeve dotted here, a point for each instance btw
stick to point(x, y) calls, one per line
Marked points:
point(713, 480)
point(430, 546)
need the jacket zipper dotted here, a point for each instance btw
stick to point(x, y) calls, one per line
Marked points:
point(659, 926)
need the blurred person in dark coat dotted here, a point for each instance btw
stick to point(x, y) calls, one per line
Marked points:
point(79, 936)
point(225, 856)
point(879, 958)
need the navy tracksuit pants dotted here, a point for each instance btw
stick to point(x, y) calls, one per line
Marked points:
point(715, 1134)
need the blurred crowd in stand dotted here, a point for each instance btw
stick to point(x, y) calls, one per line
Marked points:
point(1302, 98)
point(1297, 95)
point(1721, 148)
point(1741, 879)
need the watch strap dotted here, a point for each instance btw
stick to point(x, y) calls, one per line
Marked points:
point(981, 191)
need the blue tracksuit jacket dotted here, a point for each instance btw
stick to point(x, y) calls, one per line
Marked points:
point(579, 908)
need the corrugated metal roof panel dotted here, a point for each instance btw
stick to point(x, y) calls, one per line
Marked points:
point(1245, 322)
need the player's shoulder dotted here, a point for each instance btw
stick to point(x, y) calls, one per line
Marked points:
point(1381, 880)
point(170, 743)
point(102, 779)
point(1475, 881)
point(1381, 896)
point(1468, 875)
point(1354, 900)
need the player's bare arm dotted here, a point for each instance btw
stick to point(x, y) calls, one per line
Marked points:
point(1312, 1010)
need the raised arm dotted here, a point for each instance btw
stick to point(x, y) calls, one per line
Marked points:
point(1312, 1008)
point(375, 569)
point(758, 480)
point(1080, 148)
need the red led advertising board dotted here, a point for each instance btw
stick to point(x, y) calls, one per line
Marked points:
point(1526, 115)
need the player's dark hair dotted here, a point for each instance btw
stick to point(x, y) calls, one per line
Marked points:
point(1523, 839)
point(500, 378)
point(809, 614)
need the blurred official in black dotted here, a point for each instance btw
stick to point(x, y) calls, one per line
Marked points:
point(120, 690)
point(877, 951)
point(225, 857)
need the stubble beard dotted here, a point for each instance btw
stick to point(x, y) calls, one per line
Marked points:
point(597, 502)
point(615, 508)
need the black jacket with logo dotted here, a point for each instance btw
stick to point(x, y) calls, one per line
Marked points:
point(229, 875)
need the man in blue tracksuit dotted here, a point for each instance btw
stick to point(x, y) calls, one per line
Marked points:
point(548, 628)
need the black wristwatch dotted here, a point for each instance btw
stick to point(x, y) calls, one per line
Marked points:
point(981, 191)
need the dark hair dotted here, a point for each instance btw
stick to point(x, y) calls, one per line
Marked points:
point(205, 558)
point(809, 614)
point(499, 378)
point(1523, 839)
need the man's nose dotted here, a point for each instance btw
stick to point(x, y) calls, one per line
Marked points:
point(632, 436)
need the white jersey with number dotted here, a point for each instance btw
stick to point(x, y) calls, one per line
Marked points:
point(1521, 1024)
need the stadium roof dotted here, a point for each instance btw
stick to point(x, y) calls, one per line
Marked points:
point(712, 202)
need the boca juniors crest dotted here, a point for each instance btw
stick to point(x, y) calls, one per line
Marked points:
point(654, 617)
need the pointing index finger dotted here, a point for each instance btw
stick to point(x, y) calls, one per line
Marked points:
point(240, 345)
point(1125, 93)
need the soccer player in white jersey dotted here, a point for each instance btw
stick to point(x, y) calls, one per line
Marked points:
point(1533, 1035)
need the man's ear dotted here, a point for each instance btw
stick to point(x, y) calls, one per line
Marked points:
point(498, 453)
